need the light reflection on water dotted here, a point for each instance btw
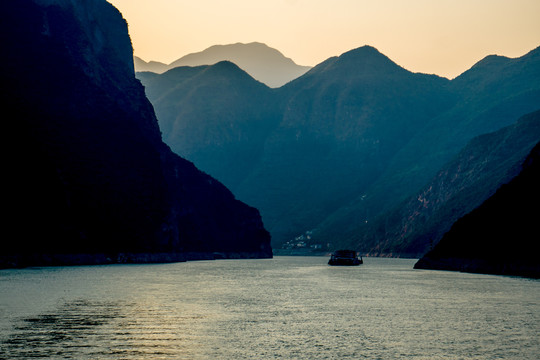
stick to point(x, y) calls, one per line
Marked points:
point(287, 307)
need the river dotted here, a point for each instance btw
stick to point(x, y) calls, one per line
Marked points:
point(281, 308)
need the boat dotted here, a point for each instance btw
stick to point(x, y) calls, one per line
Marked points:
point(345, 257)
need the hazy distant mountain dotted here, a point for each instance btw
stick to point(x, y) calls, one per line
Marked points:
point(501, 236)
point(153, 66)
point(90, 180)
point(263, 63)
point(349, 140)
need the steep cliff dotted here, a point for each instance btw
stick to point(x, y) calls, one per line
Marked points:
point(475, 173)
point(501, 236)
point(87, 170)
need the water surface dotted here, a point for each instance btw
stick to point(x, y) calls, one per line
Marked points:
point(281, 308)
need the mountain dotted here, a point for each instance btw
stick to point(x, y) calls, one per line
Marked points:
point(484, 165)
point(348, 141)
point(89, 179)
point(317, 154)
point(501, 235)
point(152, 66)
point(486, 99)
point(216, 115)
point(262, 62)
point(339, 125)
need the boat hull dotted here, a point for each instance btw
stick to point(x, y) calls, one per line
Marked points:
point(345, 258)
point(345, 262)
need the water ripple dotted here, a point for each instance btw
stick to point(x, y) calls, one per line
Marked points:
point(274, 309)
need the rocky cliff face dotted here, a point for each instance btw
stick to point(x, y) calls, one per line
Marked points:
point(501, 235)
point(487, 162)
point(87, 170)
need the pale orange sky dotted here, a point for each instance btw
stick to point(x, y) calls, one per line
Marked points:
point(443, 37)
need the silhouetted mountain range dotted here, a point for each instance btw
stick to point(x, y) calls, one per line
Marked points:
point(350, 140)
point(89, 178)
point(262, 62)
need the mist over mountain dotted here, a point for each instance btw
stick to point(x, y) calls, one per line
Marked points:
point(352, 139)
point(89, 178)
point(262, 62)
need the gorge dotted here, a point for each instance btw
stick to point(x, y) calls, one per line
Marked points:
point(352, 151)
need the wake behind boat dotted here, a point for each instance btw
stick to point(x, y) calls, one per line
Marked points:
point(345, 257)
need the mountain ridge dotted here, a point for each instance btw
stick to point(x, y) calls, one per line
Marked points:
point(262, 62)
point(355, 135)
point(231, 118)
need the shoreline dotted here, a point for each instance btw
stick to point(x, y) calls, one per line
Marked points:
point(18, 261)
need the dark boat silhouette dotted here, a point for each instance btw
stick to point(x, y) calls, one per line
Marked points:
point(345, 257)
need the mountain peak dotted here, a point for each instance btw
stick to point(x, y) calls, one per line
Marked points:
point(495, 60)
point(366, 50)
point(491, 61)
point(362, 62)
point(232, 51)
point(368, 56)
point(251, 45)
point(228, 69)
point(496, 67)
point(262, 62)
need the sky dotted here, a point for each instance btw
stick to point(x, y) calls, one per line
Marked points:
point(443, 37)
